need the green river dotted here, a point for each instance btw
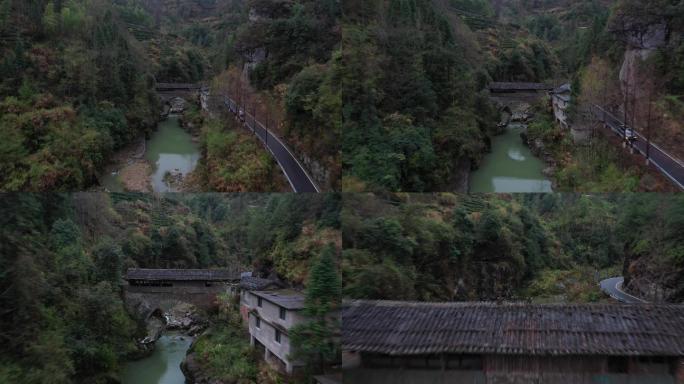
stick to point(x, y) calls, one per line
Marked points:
point(511, 167)
point(170, 149)
point(163, 366)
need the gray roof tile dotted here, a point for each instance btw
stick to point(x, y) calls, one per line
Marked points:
point(406, 328)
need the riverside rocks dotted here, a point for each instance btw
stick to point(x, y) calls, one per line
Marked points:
point(193, 372)
point(539, 150)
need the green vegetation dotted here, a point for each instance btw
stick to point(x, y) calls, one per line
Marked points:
point(62, 258)
point(417, 119)
point(293, 49)
point(416, 114)
point(598, 166)
point(451, 247)
point(73, 88)
point(63, 322)
point(235, 161)
point(87, 69)
point(224, 352)
point(314, 341)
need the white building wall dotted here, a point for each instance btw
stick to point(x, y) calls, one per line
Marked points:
point(559, 108)
point(271, 313)
point(265, 334)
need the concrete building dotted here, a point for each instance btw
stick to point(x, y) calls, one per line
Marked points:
point(386, 342)
point(250, 283)
point(270, 316)
point(560, 99)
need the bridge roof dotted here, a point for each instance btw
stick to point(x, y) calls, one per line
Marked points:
point(409, 328)
point(181, 274)
point(510, 86)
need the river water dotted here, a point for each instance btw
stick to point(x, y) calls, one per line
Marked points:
point(170, 149)
point(511, 167)
point(163, 366)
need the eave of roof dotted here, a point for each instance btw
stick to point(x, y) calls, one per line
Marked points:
point(286, 298)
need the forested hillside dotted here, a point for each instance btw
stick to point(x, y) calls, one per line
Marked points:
point(418, 120)
point(622, 55)
point(62, 258)
point(282, 62)
point(74, 87)
point(414, 116)
point(77, 80)
point(487, 247)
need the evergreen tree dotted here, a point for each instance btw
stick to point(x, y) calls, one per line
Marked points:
point(108, 260)
point(314, 342)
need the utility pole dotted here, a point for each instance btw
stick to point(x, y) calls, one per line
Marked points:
point(239, 97)
point(634, 118)
point(626, 102)
point(648, 127)
point(254, 111)
point(268, 117)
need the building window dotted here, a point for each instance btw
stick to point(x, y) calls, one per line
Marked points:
point(258, 323)
point(277, 336)
point(259, 302)
point(282, 313)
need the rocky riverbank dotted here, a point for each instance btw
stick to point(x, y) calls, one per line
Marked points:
point(538, 148)
point(193, 371)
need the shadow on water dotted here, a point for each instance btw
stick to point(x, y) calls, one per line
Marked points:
point(163, 366)
point(511, 167)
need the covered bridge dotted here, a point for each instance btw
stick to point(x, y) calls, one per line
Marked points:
point(389, 342)
point(195, 286)
point(512, 87)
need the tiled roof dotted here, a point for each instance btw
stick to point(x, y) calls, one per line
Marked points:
point(501, 86)
point(563, 88)
point(180, 274)
point(257, 283)
point(561, 96)
point(406, 328)
point(285, 298)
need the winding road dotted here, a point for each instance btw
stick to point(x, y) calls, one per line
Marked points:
point(668, 165)
point(296, 175)
point(613, 287)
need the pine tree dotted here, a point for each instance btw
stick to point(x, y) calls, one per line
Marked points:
point(324, 287)
point(314, 341)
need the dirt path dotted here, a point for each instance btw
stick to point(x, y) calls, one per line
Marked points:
point(132, 170)
point(135, 177)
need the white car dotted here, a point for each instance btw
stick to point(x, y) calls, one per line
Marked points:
point(630, 135)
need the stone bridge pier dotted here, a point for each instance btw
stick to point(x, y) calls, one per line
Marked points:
point(175, 97)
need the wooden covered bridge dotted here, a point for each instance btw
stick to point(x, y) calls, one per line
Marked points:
point(470, 342)
point(156, 288)
point(511, 87)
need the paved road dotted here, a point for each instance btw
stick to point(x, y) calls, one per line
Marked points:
point(613, 287)
point(295, 173)
point(671, 167)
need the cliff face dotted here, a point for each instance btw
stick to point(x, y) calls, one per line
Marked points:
point(641, 44)
point(654, 280)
